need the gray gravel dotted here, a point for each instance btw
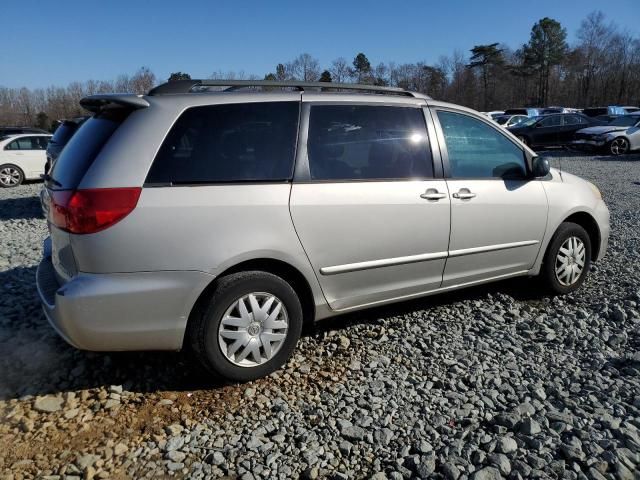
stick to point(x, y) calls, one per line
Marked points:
point(494, 382)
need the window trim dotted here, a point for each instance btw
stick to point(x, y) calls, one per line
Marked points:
point(445, 152)
point(302, 171)
point(289, 180)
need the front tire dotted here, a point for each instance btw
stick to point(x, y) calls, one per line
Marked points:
point(619, 146)
point(567, 259)
point(249, 328)
point(10, 176)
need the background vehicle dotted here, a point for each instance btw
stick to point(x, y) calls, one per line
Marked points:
point(630, 109)
point(5, 131)
point(620, 136)
point(493, 114)
point(61, 136)
point(529, 112)
point(224, 221)
point(552, 130)
point(510, 120)
point(596, 111)
point(22, 157)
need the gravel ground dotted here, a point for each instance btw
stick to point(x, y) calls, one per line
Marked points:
point(492, 382)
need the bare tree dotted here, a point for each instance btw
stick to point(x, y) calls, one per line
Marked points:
point(340, 71)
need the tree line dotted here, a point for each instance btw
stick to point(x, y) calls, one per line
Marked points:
point(601, 68)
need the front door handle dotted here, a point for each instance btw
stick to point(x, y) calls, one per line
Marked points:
point(464, 194)
point(433, 194)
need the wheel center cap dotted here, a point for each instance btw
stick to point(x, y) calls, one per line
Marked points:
point(253, 329)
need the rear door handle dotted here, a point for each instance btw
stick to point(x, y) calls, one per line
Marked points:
point(464, 194)
point(433, 194)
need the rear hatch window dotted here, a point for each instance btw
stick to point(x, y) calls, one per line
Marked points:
point(83, 148)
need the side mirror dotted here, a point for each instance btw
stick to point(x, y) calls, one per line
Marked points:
point(540, 167)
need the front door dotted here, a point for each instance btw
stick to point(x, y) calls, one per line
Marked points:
point(498, 214)
point(547, 130)
point(371, 216)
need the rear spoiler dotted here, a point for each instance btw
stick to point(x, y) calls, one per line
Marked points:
point(95, 103)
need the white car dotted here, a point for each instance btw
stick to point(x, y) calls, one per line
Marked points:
point(22, 157)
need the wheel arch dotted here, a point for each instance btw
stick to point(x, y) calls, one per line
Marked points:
point(282, 269)
point(586, 221)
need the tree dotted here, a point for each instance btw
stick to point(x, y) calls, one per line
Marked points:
point(304, 67)
point(270, 77)
point(325, 76)
point(339, 70)
point(281, 72)
point(361, 68)
point(547, 48)
point(42, 121)
point(179, 76)
point(487, 58)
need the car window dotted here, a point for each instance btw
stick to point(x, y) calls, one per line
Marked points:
point(367, 142)
point(229, 143)
point(572, 120)
point(477, 150)
point(12, 145)
point(550, 121)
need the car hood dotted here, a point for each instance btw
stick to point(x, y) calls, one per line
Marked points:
point(602, 130)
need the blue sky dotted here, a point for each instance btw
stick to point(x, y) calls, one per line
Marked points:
point(54, 43)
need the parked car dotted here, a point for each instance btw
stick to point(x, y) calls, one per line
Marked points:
point(620, 136)
point(529, 112)
point(630, 109)
point(510, 120)
point(224, 221)
point(493, 114)
point(61, 136)
point(7, 131)
point(22, 157)
point(596, 111)
point(551, 130)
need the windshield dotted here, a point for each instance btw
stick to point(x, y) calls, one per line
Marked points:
point(625, 121)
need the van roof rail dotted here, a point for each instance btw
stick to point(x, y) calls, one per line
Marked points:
point(192, 86)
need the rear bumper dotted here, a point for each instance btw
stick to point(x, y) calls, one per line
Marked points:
point(123, 311)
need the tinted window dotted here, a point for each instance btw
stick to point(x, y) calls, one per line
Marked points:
point(28, 143)
point(83, 148)
point(550, 121)
point(351, 142)
point(12, 145)
point(573, 120)
point(477, 150)
point(227, 143)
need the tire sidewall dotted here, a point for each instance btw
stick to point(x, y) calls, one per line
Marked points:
point(20, 180)
point(231, 290)
point(565, 231)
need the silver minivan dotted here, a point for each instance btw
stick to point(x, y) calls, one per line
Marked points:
point(223, 216)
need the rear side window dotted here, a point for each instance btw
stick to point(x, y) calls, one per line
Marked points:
point(229, 143)
point(366, 142)
point(28, 143)
point(84, 147)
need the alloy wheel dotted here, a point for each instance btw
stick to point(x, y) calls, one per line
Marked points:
point(9, 176)
point(619, 146)
point(570, 261)
point(253, 329)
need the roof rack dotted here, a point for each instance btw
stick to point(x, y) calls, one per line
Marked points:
point(192, 86)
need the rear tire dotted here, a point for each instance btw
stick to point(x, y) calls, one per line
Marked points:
point(567, 259)
point(10, 176)
point(249, 327)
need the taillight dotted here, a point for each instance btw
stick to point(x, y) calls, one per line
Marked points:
point(91, 210)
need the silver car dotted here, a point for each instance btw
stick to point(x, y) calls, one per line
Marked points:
point(223, 221)
point(620, 136)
